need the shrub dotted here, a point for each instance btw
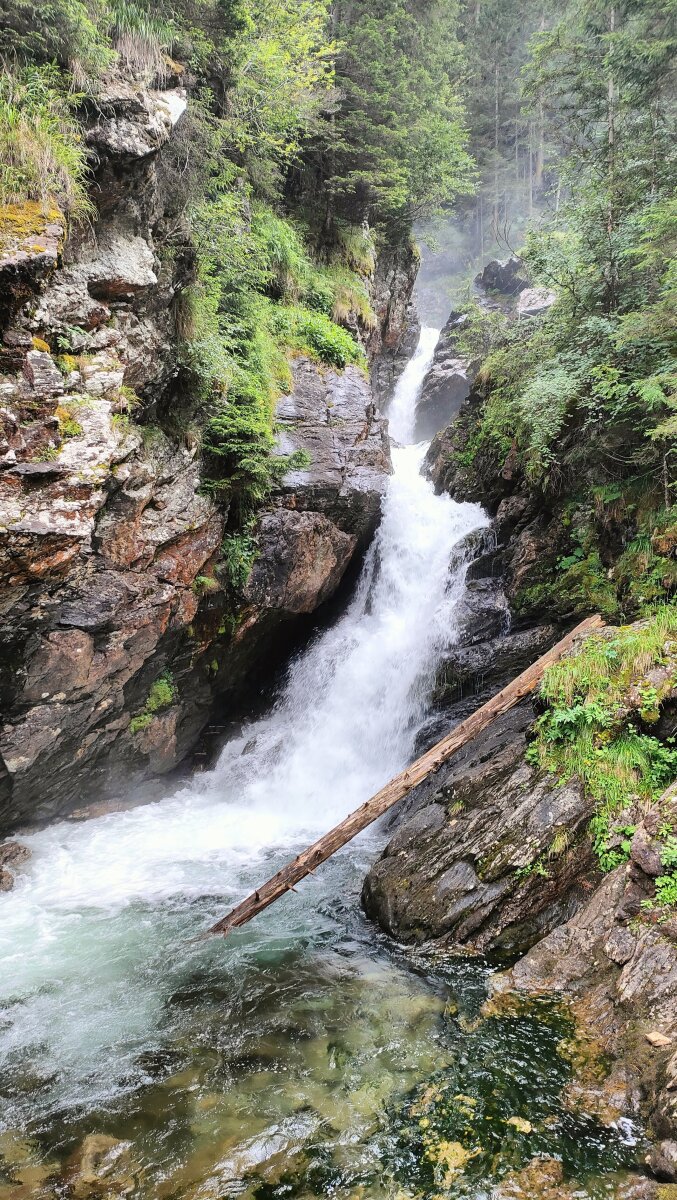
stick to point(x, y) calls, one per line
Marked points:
point(239, 553)
point(61, 31)
point(316, 334)
point(282, 254)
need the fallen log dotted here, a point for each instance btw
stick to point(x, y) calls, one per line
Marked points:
point(307, 862)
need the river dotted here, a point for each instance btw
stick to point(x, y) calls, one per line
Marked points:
point(297, 1057)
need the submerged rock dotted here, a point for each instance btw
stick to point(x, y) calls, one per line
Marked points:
point(11, 855)
point(103, 1168)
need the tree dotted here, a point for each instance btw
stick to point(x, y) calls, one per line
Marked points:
point(395, 146)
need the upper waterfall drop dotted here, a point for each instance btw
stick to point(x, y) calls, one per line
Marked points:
point(402, 408)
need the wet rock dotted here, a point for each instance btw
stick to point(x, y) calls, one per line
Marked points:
point(533, 302)
point(13, 853)
point(302, 559)
point(471, 669)
point(662, 1161)
point(505, 277)
point(331, 418)
point(622, 984)
point(446, 385)
point(508, 863)
point(103, 1168)
point(542, 1178)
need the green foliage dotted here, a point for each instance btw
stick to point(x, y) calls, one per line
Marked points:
point(315, 334)
point(42, 157)
point(63, 31)
point(138, 36)
point(161, 696)
point(205, 584)
point(586, 730)
point(239, 555)
point(245, 318)
point(69, 426)
point(666, 890)
point(584, 400)
point(395, 145)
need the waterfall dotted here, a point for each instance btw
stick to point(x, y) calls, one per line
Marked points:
point(92, 929)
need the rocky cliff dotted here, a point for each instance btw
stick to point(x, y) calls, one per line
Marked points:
point(493, 855)
point(121, 622)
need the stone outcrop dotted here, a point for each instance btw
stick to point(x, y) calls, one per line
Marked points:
point(618, 972)
point(508, 277)
point(12, 855)
point(487, 856)
point(446, 385)
point(534, 302)
point(120, 625)
point(395, 335)
point(526, 533)
point(31, 240)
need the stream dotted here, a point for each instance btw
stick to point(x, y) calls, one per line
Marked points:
point(305, 1055)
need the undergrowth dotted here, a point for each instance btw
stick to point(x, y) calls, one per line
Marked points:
point(42, 156)
point(601, 704)
point(260, 299)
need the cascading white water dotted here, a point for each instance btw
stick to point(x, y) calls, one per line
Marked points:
point(88, 936)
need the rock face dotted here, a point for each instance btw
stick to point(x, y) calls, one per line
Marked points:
point(620, 975)
point(120, 628)
point(396, 332)
point(331, 418)
point(487, 856)
point(326, 510)
point(503, 277)
point(446, 385)
point(526, 533)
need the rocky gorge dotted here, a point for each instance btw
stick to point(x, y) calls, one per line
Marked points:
point(120, 628)
point(493, 857)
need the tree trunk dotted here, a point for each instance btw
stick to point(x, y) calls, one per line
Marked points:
point(397, 789)
point(611, 172)
point(497, 112)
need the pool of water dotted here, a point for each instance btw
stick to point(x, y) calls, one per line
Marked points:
point(303, 1056)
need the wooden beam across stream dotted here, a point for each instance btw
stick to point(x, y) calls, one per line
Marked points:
point(397, 789)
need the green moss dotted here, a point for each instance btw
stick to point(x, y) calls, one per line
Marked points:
point(20, 221)
point(587, 730)
point(160, 697)
point(140, 722)
point(67, 363)
point(203, 584)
